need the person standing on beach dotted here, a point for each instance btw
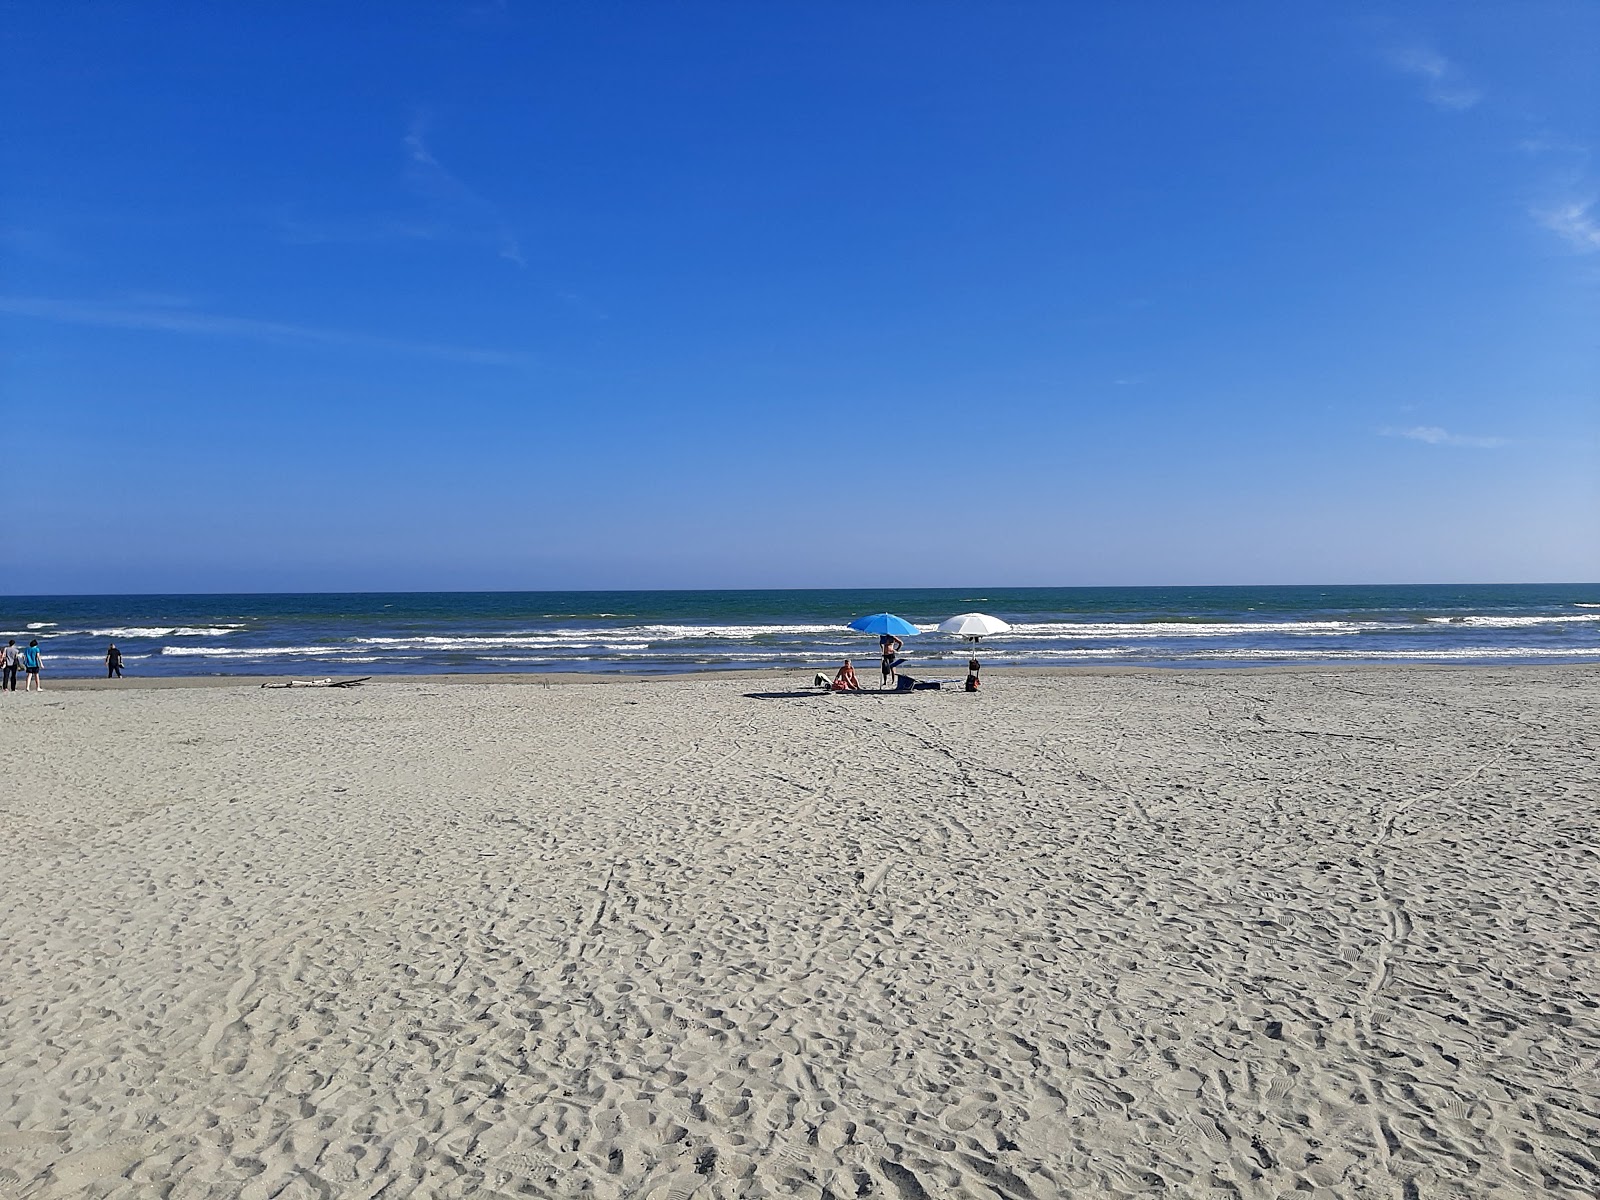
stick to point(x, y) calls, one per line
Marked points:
point(10, 661)
point(113, 661)
point(31, 662)
point(889, 646)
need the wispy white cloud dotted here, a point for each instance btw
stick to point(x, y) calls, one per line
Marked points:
point(1564, 160)
point(1435, 436)
point(1444, 85)
point(1549, 142)
point(167, 319)
point(456, 200)
point(418, 150)
point(443, 208)
point(1574, 222)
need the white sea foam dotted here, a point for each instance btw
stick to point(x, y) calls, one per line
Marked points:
point(253, 652)
point(1245, 655)
point(41, 624)
point(740, 632)
point(1193, 629)
point(842, 635)
point(1477, 621)
point(643, 634)
point(988, 655)
point(161, 631)
point(1463, 653)
point(430, 642)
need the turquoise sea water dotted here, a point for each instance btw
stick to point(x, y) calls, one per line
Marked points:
point(375, 633)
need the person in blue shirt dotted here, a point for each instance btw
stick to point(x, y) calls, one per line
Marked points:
point(31, 662)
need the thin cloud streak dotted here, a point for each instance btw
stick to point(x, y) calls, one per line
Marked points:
point(448, 210)
point(168, 320)
point(431, 178)
point(1435, 436)
point(1575, 223)
point(1445, 86)
point(295, 232)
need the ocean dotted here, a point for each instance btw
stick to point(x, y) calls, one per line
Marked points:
point(417, 632)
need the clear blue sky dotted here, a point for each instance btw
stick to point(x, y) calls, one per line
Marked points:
point(477, 295)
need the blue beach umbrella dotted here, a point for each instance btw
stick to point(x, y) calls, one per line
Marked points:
point(885, 623)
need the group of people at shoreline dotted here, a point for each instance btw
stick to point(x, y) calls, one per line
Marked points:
point(30, 661)
point(889, 647)
point(26, 659)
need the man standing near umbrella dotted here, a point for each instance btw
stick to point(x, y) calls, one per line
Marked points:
point(889, 646)
point(890, 629)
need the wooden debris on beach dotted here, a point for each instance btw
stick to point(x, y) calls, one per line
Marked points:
point(336, 683)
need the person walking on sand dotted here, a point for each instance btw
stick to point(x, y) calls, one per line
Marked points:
point(31, 662)
point(9, 662)
point(888, 646)
point(113, 661)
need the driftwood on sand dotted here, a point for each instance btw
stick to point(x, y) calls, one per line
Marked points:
point(338, 683)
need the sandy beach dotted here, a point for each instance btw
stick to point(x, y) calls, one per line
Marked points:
point(1309, 932)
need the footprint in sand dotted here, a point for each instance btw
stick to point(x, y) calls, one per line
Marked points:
point(103, 1162)
point(875, 1062)
point(1453, 1107)
point(1089, 1100)
point(338, 1168)
point(525, 1167)
point(873, 1141)
point(26, 1143)
point(409, 1091)
point(681, 1187)
point(790, 1159)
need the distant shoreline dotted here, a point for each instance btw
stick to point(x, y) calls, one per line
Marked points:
point(646, 634)
point(78, 683)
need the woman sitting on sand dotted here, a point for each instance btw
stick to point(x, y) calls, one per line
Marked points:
point(845, 680)
point(972, 674)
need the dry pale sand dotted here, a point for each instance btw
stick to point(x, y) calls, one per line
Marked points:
point(1221, 934)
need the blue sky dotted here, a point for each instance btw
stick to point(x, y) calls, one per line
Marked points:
point(322, 296)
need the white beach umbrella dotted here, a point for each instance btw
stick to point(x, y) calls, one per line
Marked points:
point(974, 626)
